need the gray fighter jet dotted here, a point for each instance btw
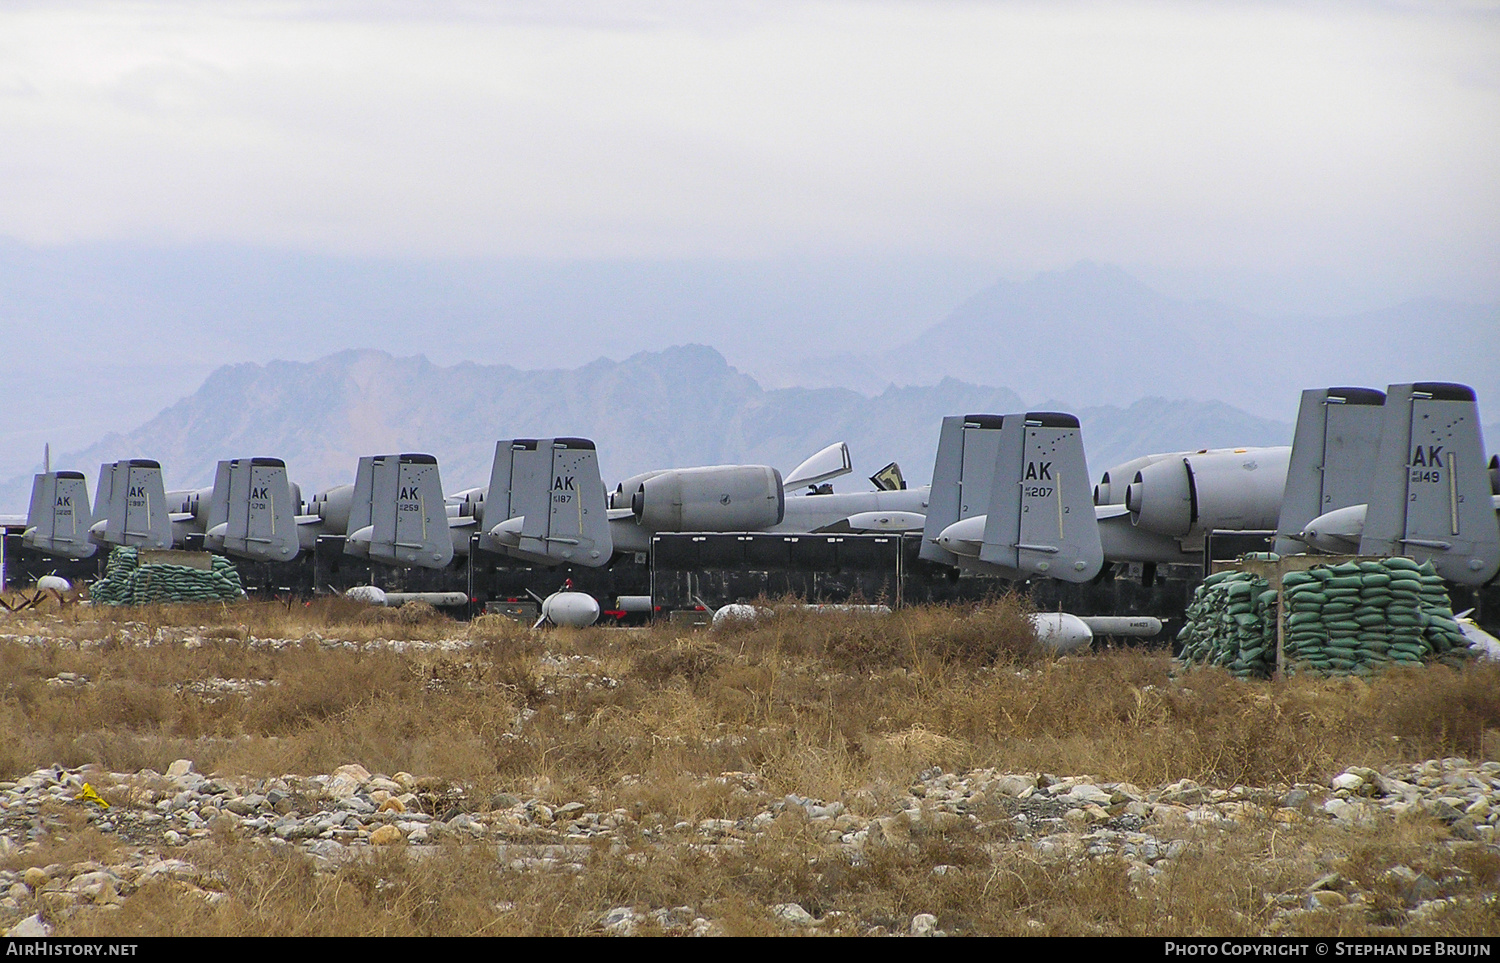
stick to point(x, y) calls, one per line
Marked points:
point(1349, 464)
point(1428, 491)
point(58, 519)
point(545, 503)
point(1009, 496)
point(130, 507)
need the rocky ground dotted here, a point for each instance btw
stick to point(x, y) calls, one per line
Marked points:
point(163, 820)
point(1402, 849)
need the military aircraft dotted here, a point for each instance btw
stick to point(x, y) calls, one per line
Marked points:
point(756, 498)
point(1349, 453)
point(1417, 486)
point(393, 513)
point(544, 502)
point(58, 519)
point(1010, 497)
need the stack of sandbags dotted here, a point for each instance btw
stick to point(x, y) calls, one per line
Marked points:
point(1231, 622)
point(1359, 616)
point(127, 582)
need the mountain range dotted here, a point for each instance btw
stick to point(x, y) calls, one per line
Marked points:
point(1095, 335)
point(800, 359)
point(680, 407)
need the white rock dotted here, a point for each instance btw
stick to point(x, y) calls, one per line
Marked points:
point(345, 781)
point(1014, 785)
point(1085, 793)
point(792, 913)
point(1349, 781)
point(620, 921)
point(31, 926)
point(923, 924)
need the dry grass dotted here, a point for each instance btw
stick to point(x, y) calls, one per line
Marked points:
point(834, 706)
point(834, 698)
point(1223, 885)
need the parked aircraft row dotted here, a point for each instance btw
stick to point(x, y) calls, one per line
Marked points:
point(1395, 472)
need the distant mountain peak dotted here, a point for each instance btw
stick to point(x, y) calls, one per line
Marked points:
point(677, 407)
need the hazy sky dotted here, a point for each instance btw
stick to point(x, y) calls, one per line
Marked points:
point(1360, 139)
point(189, 184)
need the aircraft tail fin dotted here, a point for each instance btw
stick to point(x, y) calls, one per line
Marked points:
point(58, 519)
point(397, 514)
point(135, 512)
point(546, 503)
point(408, 514)
point(961, 474)
point(1430, 496)
point(217, 523)
point(359, 527)
point(103, 495)
point(1335, 445)
point(1040, 517)
point(253, 501)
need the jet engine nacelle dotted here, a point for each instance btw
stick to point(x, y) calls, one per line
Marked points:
point(1114, 482)
point(626, 490)
point(332, 507)
point(1160, 498)
point(722, 498)
point(194, 502)
point(1235, 490)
